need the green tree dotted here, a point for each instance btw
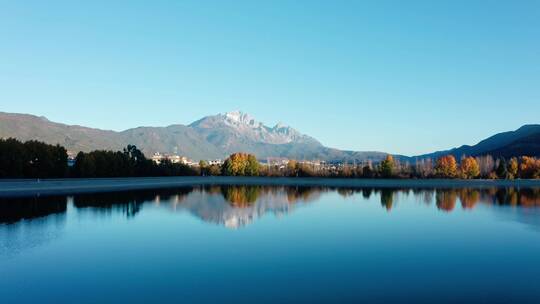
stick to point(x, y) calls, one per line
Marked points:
point(502, 171)
point(203, 166)
point(387, 166)
point(252, 166)
point(12, 158)
point(367, 172)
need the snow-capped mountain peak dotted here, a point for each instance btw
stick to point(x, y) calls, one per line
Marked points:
point(221, 126)
point(240, 118)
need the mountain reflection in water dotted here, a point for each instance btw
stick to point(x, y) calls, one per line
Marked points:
point(237, 206)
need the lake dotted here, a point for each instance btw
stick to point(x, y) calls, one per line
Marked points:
point(261, 244)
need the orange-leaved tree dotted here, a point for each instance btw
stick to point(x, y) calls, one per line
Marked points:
point(530, 167)
point(469, 167)
point(446, 166)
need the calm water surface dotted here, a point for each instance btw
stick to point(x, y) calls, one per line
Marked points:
point(273, 244)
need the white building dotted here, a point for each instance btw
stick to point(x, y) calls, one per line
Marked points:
point(175, 159)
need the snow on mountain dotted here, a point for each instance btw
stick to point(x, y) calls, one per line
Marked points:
point(244, 125)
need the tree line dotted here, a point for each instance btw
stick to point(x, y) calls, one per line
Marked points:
point(34, 159)
point(447, 166)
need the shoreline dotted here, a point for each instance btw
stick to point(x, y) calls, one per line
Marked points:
point(26, 187)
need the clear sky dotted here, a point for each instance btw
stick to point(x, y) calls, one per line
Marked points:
point(396, 76)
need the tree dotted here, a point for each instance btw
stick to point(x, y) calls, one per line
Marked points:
point(305, 170)
point(469, 168)
point(487, 165)
point(12, 158)
point(241, 164)
point(203, 166)
point(252, 166)
point(387, 166)
point(31, 159)
point(367, 172)
point(424, 168)
point(292, 168)
point(446, 166)
point(84, 165)
point(529, 167)
point(502, 171)
point(214, 170)
point(513, 168)
point(134, 154)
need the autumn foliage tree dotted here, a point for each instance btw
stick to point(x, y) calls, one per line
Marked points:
point(529, 167)
point(241, 164)
point(292, 168)
point(446, 166)
point(512, 168)
point(469, 168)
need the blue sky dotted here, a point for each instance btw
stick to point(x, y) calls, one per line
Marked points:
point(397, 76)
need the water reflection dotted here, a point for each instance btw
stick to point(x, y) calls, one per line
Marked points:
point(236, 206)
point(15, 209)
point(30, 222)
point(128, 203)
point(173, 243)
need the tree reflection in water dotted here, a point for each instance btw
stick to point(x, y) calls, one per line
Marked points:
point(15, 209)
point(241, 196)
point(128, 203)
point(239, 205)
point(446, 200)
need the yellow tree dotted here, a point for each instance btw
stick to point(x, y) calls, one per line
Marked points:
point(241, 164)
point(446, 166)
point(292, 168)
point(513, 168)
point(469, 167)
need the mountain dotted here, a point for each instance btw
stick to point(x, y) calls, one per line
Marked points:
point(219, 135)
point(523, 141)
point(208, 138)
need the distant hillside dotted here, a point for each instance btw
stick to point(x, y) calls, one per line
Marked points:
point(523, 141)
point(75, 138)
point(208, 138)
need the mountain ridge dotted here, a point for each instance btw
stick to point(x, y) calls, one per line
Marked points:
point(498, 145)
point(211, 137)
